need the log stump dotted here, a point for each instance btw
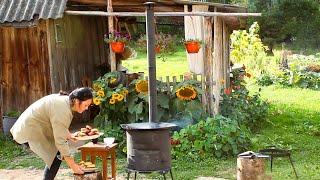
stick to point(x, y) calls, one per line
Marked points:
point(251, 169)
point(88, 176)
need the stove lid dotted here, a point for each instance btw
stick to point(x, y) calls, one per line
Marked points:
point(147, 126)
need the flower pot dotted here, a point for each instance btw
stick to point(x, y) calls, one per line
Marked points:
point(117, 47)
point(8, 122)
point(157, 49)
point(192, 47)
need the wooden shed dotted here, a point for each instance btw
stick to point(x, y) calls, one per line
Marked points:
point(47, 46)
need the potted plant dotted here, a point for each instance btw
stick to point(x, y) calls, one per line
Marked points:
point(117, 41)
point(192, 45)
point(9, 119)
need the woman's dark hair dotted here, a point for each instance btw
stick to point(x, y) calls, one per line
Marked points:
point(81, 94)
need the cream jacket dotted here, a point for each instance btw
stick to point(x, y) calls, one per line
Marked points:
point(45, 126)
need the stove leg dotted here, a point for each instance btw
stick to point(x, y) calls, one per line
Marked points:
point(128, 177)
point(171, 174)
point(135, 175)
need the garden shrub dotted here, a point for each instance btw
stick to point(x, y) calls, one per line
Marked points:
point(265, 79)
point(238, 104)
point(213, 137)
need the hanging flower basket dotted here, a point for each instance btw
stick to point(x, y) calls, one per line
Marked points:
point(157, 49)
point(192, 46)
point(117, 47)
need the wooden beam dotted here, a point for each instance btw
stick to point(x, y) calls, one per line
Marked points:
point(212, 14)
point(113, 62)
point(218, 62)
point(226, 55)
point(208, 63)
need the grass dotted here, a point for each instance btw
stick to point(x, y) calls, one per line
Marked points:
point(173, 65)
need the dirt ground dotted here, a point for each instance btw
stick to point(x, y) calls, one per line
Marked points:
point(63, 174)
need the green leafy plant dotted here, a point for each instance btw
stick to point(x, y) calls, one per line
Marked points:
point(218, 136)
point(110, 95)
point(13, 113)
point(186, 101)
point(238, 104)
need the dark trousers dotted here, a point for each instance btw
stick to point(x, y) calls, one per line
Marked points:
point(50, 173)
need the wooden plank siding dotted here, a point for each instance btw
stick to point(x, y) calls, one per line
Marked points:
point(77, 51)
point(24, 63)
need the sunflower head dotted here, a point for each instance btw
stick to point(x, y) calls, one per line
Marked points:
point(96, 101)
point(100, 93)
point(142, 86)
point(115, 95)
point(96, 87)
point(112, 101)
point(113, 80)
point(186, 93)
point(120, 97)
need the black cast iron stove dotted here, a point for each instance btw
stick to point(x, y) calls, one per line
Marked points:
point(148, 144)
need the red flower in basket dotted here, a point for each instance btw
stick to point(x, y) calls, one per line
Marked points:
point(192, 45)
point(117, 41)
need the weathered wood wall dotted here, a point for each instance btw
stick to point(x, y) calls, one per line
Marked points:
point(76, 48)
point(24, 66)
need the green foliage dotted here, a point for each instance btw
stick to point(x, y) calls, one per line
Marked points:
point(248, 49)
point(248, 110)
point(13, 113)
point(265, 79)
point(218, 136)
point(290, 21)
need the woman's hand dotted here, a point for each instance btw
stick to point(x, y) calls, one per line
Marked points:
point(74, 166)
point(72, 137)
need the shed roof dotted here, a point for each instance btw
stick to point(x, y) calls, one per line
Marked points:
point(27, 10)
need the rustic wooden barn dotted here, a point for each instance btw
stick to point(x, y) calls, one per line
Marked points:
point(47, 46)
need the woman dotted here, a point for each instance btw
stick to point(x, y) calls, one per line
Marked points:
point(44, 126)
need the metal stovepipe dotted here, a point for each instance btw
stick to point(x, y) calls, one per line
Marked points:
point(150, 29)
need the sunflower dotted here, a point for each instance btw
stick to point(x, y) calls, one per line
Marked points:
point(112, 101)
point(120, 98)
point(113, 80)
point(96, 101)
point(100, 93)
point(186, 93)
point(142, 86)
point(96, 87)
point(124, 92)
point(115, 96)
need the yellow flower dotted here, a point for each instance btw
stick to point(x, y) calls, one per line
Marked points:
point(100, 93)
point(222, 81)
point(142, 86)
point(124, 92)
point(96, 87)
point(113, 80)
point(115, 96)
point(112, 101)
point(120, 98)
point(186, 93)
point(96, 101)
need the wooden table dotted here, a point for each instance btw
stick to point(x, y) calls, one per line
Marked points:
point(104, 151)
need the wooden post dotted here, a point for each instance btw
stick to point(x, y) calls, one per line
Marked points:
point(113, 62)
point(226, 55)
point(194, 30)
point(88, 176)
point(218, 62)
point(208, 64)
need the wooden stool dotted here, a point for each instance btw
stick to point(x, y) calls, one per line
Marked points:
point(104, 151)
